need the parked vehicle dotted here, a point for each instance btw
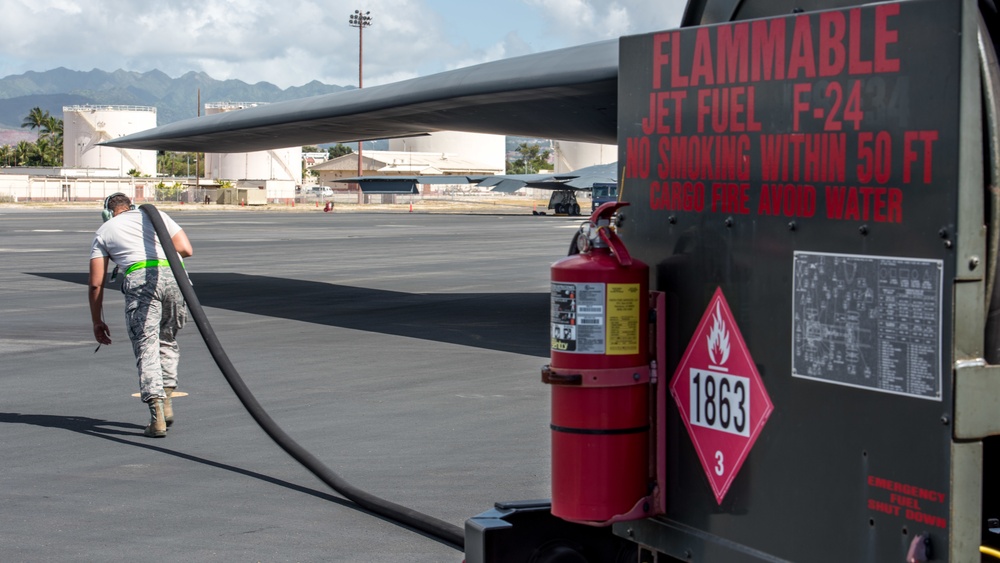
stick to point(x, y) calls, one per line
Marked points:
point(602, 193)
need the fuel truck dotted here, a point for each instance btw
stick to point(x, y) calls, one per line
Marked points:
point(782, 342)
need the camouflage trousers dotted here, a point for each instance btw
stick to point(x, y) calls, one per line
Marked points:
point(154, 312)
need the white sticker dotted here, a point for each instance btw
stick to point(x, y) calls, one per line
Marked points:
point(578, 317)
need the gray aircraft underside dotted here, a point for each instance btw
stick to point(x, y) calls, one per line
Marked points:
point(577, 180)
point(568, 94)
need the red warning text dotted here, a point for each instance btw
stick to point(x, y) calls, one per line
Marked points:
point(913, 503)
point(775, 118)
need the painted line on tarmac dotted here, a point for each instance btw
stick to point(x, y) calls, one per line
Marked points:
point(13, 345)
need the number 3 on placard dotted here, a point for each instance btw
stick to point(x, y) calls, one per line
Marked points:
point(719, 467)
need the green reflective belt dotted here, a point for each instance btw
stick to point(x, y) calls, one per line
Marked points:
point(147, 264)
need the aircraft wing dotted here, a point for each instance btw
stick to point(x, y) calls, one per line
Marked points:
point(404, 184)
point(569, 94)
point(582, 179)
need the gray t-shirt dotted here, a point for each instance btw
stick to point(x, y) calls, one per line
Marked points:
point(130, 238)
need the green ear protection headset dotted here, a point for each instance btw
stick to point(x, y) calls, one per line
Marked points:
point(107, 212)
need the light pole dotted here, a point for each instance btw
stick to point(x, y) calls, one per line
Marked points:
point(360, 21)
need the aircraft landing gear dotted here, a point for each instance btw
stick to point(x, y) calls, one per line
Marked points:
point(563, 202)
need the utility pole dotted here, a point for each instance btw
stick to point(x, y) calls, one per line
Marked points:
point(360, 21)
point(197, 183)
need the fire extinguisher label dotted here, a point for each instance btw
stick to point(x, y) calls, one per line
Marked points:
point(578, 317)
point(623, 319)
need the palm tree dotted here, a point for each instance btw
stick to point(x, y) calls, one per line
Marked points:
point(52, 126)
point(45, 152)
point(36, 118)
point(6, 154)
point(49, 148)
point(52, 130)
point(22, 153)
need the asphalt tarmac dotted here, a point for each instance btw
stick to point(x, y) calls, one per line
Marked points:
point(403, 350)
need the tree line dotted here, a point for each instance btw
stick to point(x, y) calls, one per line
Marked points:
point(533, 159)
point(47, 150)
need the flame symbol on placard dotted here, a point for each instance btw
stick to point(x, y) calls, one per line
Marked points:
point(718, 338)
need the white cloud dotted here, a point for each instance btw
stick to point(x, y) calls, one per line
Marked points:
point(252, 41)
point(511, 46)
point(293, 42)
point(583, 21)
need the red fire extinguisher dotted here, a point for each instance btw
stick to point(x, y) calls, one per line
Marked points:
point(600, 376)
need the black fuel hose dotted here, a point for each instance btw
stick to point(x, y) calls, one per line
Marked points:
point(447, 533)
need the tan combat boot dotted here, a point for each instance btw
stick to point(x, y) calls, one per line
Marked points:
point(157, 426)
point(168, 405)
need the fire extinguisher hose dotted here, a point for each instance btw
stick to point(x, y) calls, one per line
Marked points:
point(446, 533)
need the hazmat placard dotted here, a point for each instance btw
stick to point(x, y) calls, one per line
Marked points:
point(721, 397)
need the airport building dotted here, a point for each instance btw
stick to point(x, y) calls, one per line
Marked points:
point(447, 153)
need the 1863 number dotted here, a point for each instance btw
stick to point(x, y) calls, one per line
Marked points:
point(720, 401)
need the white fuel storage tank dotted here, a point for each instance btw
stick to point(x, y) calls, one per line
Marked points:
point(482, 148)
point(570, 155)
point(87, 125)
point(275, 164)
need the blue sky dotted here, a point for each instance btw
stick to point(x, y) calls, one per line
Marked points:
point(292, 42)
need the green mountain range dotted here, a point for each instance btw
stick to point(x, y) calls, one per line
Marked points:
point(173, 98)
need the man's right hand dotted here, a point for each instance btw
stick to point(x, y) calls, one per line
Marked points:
point(102, 333)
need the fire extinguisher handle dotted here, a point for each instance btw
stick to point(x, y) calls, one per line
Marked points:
point(606, 210)
point(615, 244)
point(602, 218)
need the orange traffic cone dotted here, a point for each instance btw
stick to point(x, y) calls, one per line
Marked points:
point(411, 208)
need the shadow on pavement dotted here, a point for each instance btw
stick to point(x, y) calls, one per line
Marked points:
point(119, 431)
point(506, 322)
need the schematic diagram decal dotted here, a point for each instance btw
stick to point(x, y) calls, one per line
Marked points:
point(871, 322)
